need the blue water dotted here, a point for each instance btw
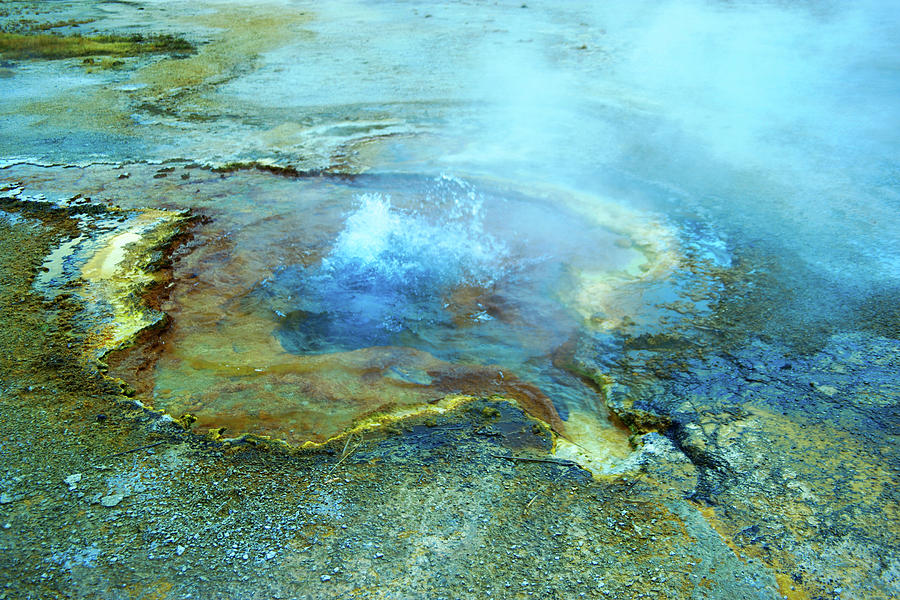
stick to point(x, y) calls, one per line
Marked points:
point(426, 276)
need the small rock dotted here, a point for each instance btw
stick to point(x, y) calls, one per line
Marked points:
point(828, 390)
point(180, 550)
point(6, 498)
point(379, 555)
point(326, 577)
point(73, 480)
point(270, 554)
point(111, 500)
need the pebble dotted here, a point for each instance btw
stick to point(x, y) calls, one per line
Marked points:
point(180, 550)
point(111, 500)
point(828, 390)
point(6, 498)
point(270, 554)
point(326, 577)
point(72, 481)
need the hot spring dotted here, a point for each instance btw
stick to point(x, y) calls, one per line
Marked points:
point(343, 300)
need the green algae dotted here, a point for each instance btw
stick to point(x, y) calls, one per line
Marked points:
point(49, 46)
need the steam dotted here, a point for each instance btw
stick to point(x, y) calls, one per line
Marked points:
point(779, 118)
point(755, 78)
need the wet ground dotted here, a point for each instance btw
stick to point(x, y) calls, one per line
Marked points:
point(284, 315)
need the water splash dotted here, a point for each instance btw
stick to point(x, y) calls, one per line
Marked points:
point(391, 272)
point(419, 251)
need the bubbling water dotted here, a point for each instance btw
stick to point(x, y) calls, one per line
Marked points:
point(410, 251)
point(392, 273)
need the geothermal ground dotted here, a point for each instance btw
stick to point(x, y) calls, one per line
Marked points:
point(398, 300)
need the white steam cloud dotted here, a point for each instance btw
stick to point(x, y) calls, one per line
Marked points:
point(782, 115)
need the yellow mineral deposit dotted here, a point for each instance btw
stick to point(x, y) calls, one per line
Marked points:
point(592, 442)
point(654, 257)
point(105, 264)
point(238, 36)
point(118, 273)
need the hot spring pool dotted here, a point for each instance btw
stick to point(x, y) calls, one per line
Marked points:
point(302, 314)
